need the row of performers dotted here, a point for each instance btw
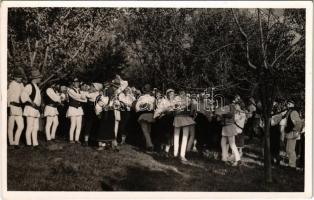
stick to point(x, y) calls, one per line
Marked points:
point(105, 111)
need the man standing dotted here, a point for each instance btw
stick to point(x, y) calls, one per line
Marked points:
point(32, 99)
point(15, 110)
point(290, 127)
point(52, 100)
point(75, 111)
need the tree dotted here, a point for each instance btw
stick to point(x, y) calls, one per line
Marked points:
point(279, 39)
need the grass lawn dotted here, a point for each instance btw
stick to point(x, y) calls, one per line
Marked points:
point(71, 167)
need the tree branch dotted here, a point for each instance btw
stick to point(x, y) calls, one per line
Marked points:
point(246, 39)
point(285, 51)
point(262, 39)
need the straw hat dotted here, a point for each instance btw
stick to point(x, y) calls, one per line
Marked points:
point(35, 74)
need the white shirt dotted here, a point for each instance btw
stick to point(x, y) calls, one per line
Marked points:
point(164, 105)
point(126, 100)
point(15, 92)
point(123, 85)
point(53, 95)
point(28, 91)
point(145, 99)
point(77, 95)
point(91, 96)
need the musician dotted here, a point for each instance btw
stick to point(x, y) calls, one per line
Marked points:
point(15, 110)
point(144, 107)
point(75, 111)
point(32, 98)
point(52, 100)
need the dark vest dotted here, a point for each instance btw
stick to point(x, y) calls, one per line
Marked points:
point(32, 97)
point(290, 124)
point(49, 101)
point(74, 103)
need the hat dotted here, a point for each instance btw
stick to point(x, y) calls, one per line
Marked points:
point(146, 88)
point(252, 100)
point(98, 86)
point(169, 90)
point(35, 74)
point(75, 79)
point(290, 101)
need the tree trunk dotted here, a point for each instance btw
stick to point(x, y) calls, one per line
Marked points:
point(267, 155)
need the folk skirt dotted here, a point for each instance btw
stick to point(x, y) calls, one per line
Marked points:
point(229, 130)
point(147, 117)
point(164, 128)
point(105, 130)
point(182, 121)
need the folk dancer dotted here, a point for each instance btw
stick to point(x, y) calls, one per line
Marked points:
point(32, 98)
point(52, 100)
point(164, 116)
point(75, 111)
point(104, 108)
point(229, 130)
point(145, 106)
point(290, 128)
point(90, 117)
point(15, 110)
point(126, 98)
point(182, 121)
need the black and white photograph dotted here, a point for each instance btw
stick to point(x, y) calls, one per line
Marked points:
point(128, 98)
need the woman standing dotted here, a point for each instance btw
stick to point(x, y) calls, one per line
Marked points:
point(164, 115)
point(105, 110)
point(145, 107)
point(75, 111)
point(229, 131)
point(182, 121)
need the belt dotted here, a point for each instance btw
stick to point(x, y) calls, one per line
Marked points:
point(33, 106)
point(16, 104)
point(52, 105)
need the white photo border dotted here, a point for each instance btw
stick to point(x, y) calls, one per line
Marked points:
point(308, 5)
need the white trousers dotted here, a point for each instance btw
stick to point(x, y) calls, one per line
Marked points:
point(76, 125)
point(225, 147)
point(176, 139)
point(32, 130)
point(191, 138)
point(52, 123)
point(14, 139)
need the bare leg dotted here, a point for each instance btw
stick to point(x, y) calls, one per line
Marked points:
point(176, 138)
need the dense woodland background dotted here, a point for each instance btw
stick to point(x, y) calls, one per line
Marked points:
point(179, 48)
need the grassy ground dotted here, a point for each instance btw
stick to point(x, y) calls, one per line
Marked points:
point(71, 167)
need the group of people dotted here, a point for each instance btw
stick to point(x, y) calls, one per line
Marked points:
point(174, 123)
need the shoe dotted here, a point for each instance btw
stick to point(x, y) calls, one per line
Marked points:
point(183, 159)
point(100, 148)
point(72, 142)
point(149, 149)
point(85, 144)
point(116, 149)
